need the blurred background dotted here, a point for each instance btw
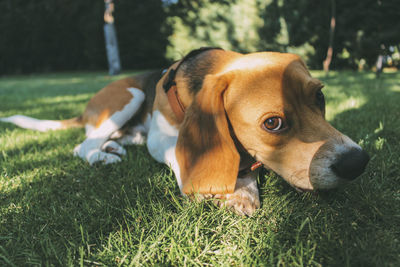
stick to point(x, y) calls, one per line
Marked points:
point(62, 35)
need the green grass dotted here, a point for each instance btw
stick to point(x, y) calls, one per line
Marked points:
point(57, 210)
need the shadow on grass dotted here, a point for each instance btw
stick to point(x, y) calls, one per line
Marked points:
point(72, 204)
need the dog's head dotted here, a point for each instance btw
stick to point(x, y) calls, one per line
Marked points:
point(277, 112)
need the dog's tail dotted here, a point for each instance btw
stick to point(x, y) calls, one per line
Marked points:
point(43, 125)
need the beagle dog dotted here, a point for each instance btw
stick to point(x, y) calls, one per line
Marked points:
point(214, 117)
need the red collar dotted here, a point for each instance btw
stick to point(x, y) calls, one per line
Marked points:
point(175, 102)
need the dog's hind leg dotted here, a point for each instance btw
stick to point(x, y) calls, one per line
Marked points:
point(135, 135)
point(94, 148)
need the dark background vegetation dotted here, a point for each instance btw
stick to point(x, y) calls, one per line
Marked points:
point(57, 35)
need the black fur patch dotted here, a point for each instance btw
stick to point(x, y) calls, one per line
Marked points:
point(195, 82)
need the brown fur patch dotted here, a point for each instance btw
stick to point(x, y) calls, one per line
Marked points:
point(109, 100)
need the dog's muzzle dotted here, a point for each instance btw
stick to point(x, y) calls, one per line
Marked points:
point(336, 163)
point(351, 164)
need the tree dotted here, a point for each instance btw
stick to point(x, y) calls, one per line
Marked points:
point(329, 53)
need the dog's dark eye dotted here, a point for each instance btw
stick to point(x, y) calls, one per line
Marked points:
point(273, 124)
point(320, 100)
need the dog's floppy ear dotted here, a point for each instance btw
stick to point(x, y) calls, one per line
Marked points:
point(206, 153)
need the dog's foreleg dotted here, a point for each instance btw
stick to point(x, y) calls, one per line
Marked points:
point(161, 143)
point(91, 149)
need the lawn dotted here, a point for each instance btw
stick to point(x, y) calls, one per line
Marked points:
point(57, 210)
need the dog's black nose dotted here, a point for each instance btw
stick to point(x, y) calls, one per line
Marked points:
point(351, 164)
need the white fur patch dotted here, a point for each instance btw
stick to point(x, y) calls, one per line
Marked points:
point(245, 63)
point(161, 143)
point(161, 137)
point(90, 149)
point(170, 159)
point(32, 123)
point(147, 123)
point(88, 129)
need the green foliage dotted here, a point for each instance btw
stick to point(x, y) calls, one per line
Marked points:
point(56, 210)
point(295, 26)
point(361, 28)
point(213, 23)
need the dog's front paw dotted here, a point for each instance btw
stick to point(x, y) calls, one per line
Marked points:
point(244, 201)
point(77, 150)
point(95, 155)
point(102, 157)
point(241, 203)
point(114, 148)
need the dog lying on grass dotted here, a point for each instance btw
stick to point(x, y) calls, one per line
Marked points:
point(214, 117)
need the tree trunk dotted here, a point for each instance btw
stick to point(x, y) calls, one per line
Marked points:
point(110, 35)
point(329, 53)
